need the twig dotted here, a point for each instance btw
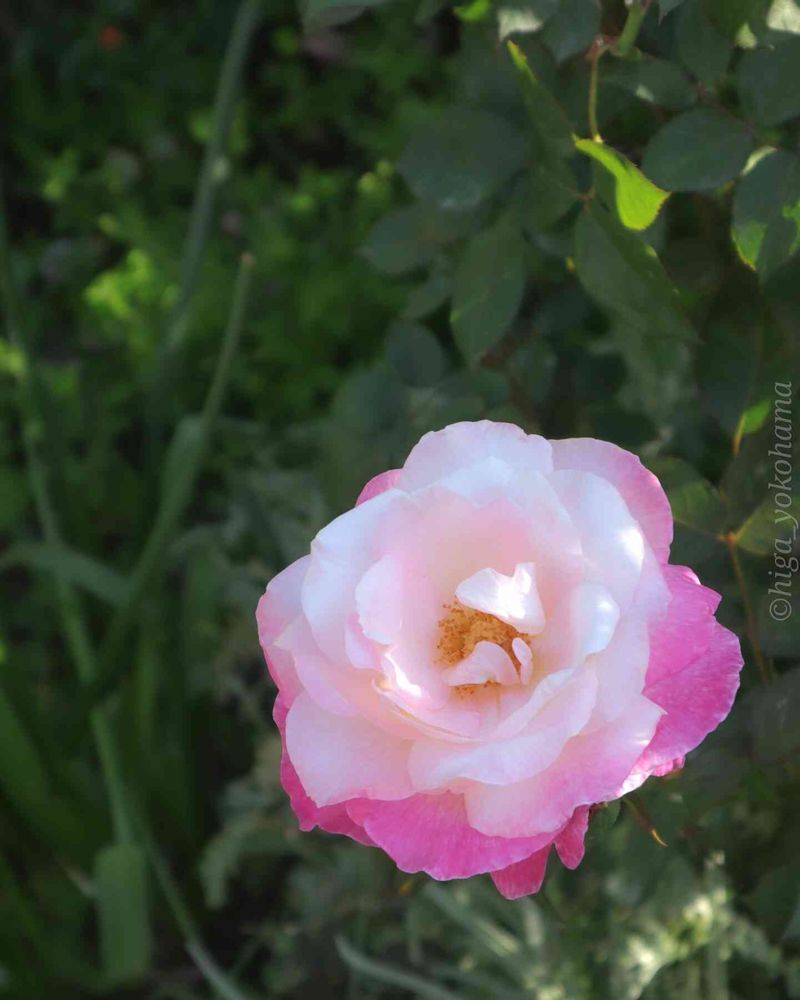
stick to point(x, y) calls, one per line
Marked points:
point(595, 52)
point(751, 623)
point(244, 26)
point(630, 32)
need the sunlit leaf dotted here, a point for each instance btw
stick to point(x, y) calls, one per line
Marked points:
point(766, 211)
point(637, 199)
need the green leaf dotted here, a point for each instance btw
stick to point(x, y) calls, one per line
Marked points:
point(430, 295)
point(523, 16)
point(775, 896)
point(546, 194)
point(753, 418)
point(655, 81)
point(730, 17)
point(245, 836)
point(573, 28)
point(395, 243)
point(699, 512)
point(624, 275)
point(14, 496)
point(742, 357)
point(77, 568)
point(757, 534)
point(182, 458)
point(604, 819)
point(697, 151)
point(462, 159)
point(24, 779)
point(415, 354)
point(637, 199)
point(126, 942)
point(488, 287)
point(694, 501)
point(548, 119)
point(409, 238)
point(660, 372)
point(774, 712)
point(769, 83)
point(784, 16)
point(667, 6)
point(769, 522)
point(475, 12)
point(766, 211)
point(703, 49)
point(319, 14)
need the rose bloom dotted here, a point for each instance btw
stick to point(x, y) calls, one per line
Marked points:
point(488, 644)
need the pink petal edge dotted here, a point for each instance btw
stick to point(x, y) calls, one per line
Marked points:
point(378, 484)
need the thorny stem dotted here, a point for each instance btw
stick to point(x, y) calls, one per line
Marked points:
point(642, 816)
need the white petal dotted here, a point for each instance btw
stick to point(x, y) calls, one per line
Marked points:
point(440, 453)
point(434, 764)
point(523, 653)
point(612, 542)
point(338, 759)
point(486, 662)
point(379, 600)
point(512, 599)
point(595, 614)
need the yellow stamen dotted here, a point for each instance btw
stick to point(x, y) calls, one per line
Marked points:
point(462, 629)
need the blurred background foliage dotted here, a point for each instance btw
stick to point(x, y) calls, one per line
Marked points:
point(248, 255)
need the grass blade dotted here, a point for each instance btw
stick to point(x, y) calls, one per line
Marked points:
point(126, 941)
point(391, 975)
point(185, 455)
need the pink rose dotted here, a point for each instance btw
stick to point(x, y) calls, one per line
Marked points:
point(489, 643)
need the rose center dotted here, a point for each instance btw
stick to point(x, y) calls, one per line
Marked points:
point(461, 629)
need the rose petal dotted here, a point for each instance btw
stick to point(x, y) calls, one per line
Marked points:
point(440, 453)
point(339, 758)
point(333, 819)
point(570, 842)
point(595, 614)
point(340, 555)
point(640, 489)
point(435, 764)
point(524, 877)
point(591, 768)
point(379, 484)
point(379, 600)
point(430, 833)
point(513, 599)
point(486, 662)
point(695, 700)
point(611, 540)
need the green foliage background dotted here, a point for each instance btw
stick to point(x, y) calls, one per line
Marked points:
point(248, 256)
